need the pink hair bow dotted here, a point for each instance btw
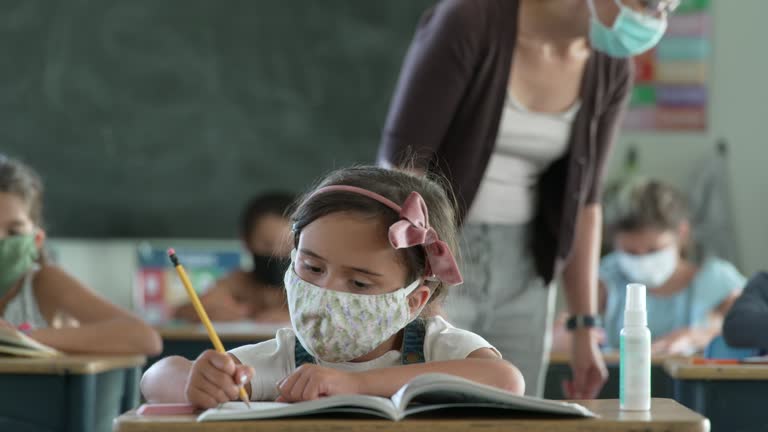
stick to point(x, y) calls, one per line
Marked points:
point(413, 230)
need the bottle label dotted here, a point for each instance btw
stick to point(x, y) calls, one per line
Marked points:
point(634, 369)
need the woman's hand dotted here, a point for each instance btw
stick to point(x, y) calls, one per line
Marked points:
point(562, 338)
point(587, 366)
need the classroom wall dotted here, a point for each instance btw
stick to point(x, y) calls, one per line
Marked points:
point(147, 119)
point(737, 114)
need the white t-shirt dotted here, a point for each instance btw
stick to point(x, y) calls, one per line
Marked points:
point(274, 359)
point(527, 143)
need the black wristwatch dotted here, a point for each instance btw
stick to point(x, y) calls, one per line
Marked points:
point(582, 321)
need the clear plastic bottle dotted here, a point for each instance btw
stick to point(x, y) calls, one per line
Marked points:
point(635, 353)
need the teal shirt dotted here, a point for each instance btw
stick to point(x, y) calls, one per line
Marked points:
point(715, 280)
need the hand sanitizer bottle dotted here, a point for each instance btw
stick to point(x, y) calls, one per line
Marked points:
point(635, 353)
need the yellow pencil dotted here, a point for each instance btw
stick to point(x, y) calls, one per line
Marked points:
point(201, 312)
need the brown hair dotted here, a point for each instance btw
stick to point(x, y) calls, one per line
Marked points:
point(650, 204)
point(276, 203)
point(19, 179)
point(396, 186)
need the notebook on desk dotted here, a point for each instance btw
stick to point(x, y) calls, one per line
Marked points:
point(16, 343)
point(425, 393)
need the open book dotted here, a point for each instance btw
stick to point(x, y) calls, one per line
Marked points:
point(429, 392)
point(16, 343)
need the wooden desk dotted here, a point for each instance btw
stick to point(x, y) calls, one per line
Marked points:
point(666, 415)
point(70, 393)
point(733, 396)
point(189, 340)
point(559, 370)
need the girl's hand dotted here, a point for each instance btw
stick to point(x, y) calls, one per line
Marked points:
point(679, 342)
point(6, 324)
point(215, 379)
point(311, 382)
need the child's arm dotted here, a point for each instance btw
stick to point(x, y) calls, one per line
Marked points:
point(483, 366)
point(748, 315)
point(104, 327)
point(691, 339)
point(166, 380)
point(208, 381)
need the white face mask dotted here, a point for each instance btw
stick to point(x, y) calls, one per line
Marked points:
point(651, 269)
point(337, 326)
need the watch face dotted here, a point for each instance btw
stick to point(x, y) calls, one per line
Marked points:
point(581, 321)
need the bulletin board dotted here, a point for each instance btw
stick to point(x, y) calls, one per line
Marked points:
point(671, 90)
point(157, 286)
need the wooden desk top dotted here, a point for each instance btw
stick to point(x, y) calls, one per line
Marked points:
point(228, 332)
point(666, 415)
point(78, 365)
point(684, 370)
point(611, 358)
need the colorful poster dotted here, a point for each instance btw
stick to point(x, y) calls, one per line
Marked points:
point(158, 288)
point(671, 91)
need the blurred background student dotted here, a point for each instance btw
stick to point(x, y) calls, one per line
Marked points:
point(686, 300)
point(255, 294)
point(34, 292)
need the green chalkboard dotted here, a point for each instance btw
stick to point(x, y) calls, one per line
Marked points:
point(158, 118)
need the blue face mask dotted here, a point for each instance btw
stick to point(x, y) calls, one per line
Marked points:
point(631, 34)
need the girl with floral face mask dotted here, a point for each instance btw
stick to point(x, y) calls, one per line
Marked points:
point(373, 252)
point(33, 292)
point(686, 300)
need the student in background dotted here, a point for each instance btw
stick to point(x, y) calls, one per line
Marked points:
point(255, 294)
point(33, 292)
point(372, 248)
point(747, 320)
point(686, 301)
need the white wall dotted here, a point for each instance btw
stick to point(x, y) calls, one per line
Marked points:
point(739, 96)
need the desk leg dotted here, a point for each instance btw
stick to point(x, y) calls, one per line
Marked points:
point(130, 398)
point(82, 403)
point(732, 406)
point(691, 393)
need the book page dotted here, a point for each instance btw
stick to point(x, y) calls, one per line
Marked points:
point(439, 391)
point(17, 343)
point(359, 404)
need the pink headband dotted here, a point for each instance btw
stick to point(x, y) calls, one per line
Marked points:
point(413, 230)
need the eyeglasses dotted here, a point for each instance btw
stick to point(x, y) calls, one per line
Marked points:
point(660, 6)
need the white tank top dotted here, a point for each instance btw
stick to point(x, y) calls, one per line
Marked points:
point(527, 143)
point(23, 307)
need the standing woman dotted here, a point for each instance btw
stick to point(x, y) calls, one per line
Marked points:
point(517, 103)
